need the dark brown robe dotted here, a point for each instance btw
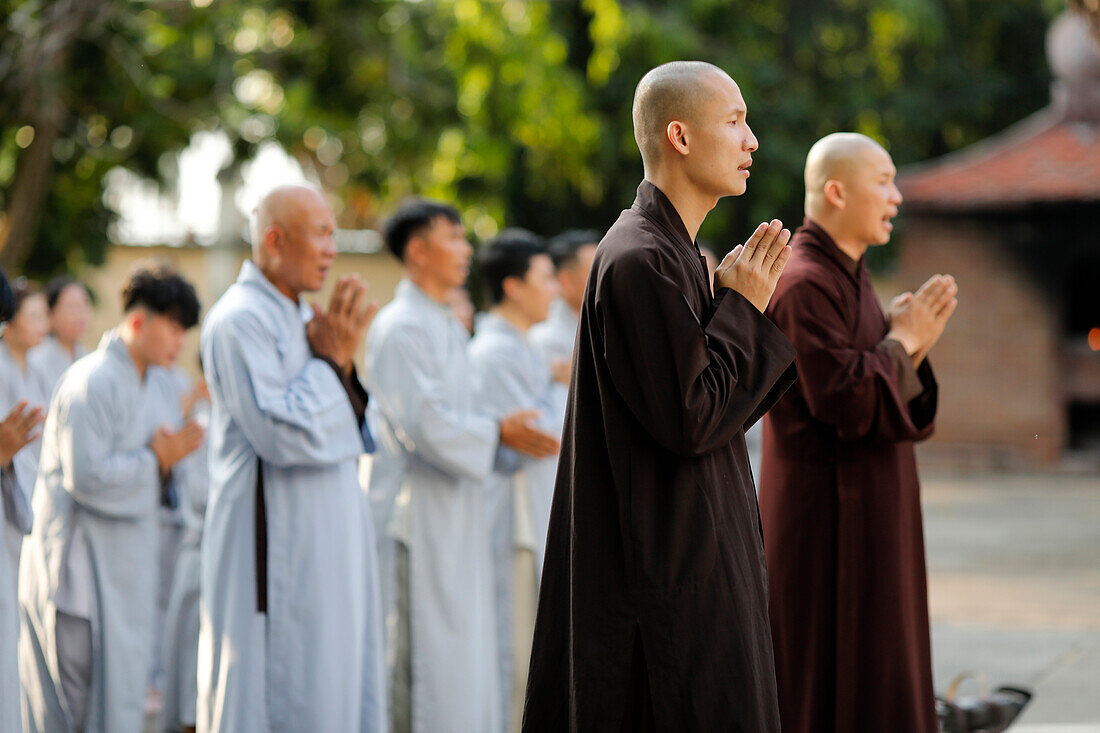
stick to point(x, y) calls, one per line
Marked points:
point(654, 550)
point(840, 505)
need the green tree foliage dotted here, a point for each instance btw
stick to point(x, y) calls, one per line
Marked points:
point(517, 110)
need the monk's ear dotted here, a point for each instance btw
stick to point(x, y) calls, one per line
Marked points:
point(273, 240)
point(509, 286)
point(677, 134)
point(835, 193)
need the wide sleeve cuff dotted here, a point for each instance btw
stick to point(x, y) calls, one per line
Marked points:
point(909, 382)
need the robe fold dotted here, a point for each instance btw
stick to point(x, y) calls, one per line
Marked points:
point(512, 376)
point(92, 552)
point(654, 542)
point(840, 505)
point(427, 489)
point(313, 660)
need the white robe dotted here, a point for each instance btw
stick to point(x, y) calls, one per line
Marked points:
point(313, 662)
point(92, 552)
point(50, 359)
point(181, 617)
point(511, 376)
point(15, 521)
point(554, 339)
point(427, 490)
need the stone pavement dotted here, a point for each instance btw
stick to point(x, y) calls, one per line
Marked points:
point(1014, 590)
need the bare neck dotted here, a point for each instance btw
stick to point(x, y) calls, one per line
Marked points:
point(131, 348)
point(690, 203)
point(434, 289)
point(835, 229)
point(18, 353)
point(513, 315)
point(279, 283)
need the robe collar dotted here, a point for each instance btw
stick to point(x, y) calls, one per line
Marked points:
point(6, 356)
point(492, 322)
point(251, 275)
point(823, 241)
point(115, 348)
point(408, 290)
point(652, 203)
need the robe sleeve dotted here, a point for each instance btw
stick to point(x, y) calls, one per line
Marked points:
point(14, 493)
point(99, 477)
point(461, 444)
point(306, 421)
point(692, 381)
point(858, 392)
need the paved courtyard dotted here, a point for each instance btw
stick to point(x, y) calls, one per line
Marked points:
point(1014, 589)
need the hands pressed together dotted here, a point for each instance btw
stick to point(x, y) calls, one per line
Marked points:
point(753, 268)
point(172, 446)
point(338, 332)
point(917, 319)
point(519, 432)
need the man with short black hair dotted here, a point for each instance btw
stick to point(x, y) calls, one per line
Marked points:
point(435, 449)
point(110, 448)
point(511, 375)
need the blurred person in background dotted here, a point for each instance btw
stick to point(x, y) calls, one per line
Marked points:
point(290, 628)
point(572, 252)
point(18, 429)
point(510, 376)
point(436, 447)
point(70, 312)
point(111, 447)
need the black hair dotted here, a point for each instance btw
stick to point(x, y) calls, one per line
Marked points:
point(412, 217)
point(162, 290)
point(506, 255)
point(564, 247)
point(57, 286)
point(7, 299)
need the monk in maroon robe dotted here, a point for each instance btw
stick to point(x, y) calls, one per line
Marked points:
point(839, 495)
point(653, 607)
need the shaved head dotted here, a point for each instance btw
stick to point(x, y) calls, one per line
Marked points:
point(842, 156)
point(672, 91)
point(282, 207)
point(293, 244)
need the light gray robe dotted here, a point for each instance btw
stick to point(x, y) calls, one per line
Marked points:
point(313, 662)
point(93, 550)
point(181, 622)
point(427, 490)
point(50, 360)
point(512, 376)
point(554, 339)
point(15, 521)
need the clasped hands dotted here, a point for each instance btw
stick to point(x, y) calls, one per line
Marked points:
point(753, 268)
point(917, 319)
point(17, 429)
point(338, 332)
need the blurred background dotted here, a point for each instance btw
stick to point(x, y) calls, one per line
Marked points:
point(151, 127)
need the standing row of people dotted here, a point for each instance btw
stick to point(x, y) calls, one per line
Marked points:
point(306, 600)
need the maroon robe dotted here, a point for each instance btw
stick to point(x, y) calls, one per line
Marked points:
point(840, 504)
point(653, 604)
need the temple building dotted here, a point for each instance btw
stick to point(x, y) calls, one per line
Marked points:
point(1016, 219)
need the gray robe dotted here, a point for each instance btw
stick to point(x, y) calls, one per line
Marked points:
point(50, 360)
point(511, 376)
point(15, 521)
point(427, 489)
point(181, 622)
point(313, 661)
point(92, 552)
point(554, 338)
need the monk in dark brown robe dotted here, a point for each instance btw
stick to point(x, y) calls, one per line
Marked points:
point(839, 495)
point(653, 607)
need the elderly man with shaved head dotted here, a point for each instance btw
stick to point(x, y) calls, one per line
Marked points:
point(290, 636)
point(653, 606)
point(839, 495)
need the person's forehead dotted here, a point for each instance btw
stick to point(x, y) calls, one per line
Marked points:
point(878, 159)
point(723, 93)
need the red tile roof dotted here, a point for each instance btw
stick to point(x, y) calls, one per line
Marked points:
point(1043, 158)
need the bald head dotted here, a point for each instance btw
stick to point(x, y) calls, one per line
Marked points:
point(292, 238)
point(843, 156)
point(672, 91)
point(284, 207)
